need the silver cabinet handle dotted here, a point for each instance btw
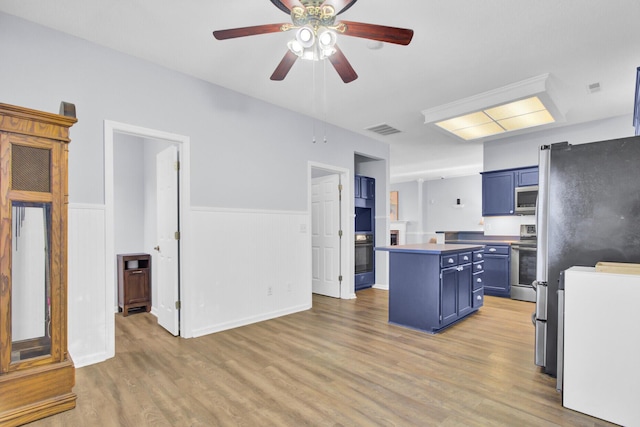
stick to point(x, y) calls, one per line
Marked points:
point(450, 261)
point(492, 250)
point(479, 280)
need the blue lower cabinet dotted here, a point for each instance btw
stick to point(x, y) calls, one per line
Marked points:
point(478, 298)
point(427, 292)
point(497, 260)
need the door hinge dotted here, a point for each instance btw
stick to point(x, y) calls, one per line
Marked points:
point(340, 278)
point(340, 233)
point(177, 235)
point(176, 165)
point(178, 305)
point(340, 192)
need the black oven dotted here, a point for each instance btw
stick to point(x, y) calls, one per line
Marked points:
point(364, 253)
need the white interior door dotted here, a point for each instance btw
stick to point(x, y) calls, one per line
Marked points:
point(167, 277)
point(325, 235)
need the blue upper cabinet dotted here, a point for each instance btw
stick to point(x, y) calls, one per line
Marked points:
point(498, 193)
point(527, 177)
point(498, 189)
point(365, 187)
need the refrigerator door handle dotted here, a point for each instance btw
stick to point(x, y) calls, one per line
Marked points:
point(541, 301)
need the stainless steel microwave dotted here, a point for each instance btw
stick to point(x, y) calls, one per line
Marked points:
point(525, 200)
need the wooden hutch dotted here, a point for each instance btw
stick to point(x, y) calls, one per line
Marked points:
point(36, 373)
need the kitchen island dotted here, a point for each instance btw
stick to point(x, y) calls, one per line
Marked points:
point(432, 286)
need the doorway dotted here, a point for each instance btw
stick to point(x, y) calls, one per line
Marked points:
point(113, 130)
point(331, 234)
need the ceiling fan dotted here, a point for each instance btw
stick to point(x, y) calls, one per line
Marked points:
point(316, 32)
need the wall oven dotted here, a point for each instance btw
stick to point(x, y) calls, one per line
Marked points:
point(523, 264)
point(364, 260)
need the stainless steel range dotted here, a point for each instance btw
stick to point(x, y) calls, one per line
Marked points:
point(523, 264)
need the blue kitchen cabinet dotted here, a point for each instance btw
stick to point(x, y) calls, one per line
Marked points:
point(498, 193)
point(364, 187)
point(367, 188)
point(431, 286)
point(527, 177)
point(498, 189)
point(497, 260)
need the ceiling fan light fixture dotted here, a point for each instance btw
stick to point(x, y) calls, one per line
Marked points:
point(306, 37)
point(327, 38)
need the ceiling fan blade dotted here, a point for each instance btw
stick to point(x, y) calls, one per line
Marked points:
point(284, 66)
point(286, 5)
point(248, 31)
point(381, 33)
point(340, 5)
point(342, 66)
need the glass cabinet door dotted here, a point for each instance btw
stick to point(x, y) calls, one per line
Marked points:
point(30, 280)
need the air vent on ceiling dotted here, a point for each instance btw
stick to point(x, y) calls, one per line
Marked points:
point(593, 87)
point(384, 130)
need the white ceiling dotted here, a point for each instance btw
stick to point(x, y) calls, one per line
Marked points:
point(460, 48)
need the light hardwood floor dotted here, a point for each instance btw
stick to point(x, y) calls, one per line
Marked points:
point(338, 364)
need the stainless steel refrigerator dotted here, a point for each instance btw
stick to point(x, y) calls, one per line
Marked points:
point(588, 211)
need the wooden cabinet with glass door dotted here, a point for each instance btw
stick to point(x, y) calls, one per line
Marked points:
point(36, 373)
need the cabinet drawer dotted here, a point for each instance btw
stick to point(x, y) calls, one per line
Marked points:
point(478, 266)
point(478, 298)
point(496, 249)
point(478, 255)
point(448, 260)
point(464, 257)
point(478, 280)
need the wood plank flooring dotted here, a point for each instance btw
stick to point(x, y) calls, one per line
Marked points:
point(338, 364)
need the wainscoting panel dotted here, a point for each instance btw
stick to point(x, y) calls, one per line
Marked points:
point(88, 320)
point(246, 266)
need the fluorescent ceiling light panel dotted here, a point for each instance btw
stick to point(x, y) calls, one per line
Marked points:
point(517, 108)
point(512, 108)
point(509, 117)
point(479, 131)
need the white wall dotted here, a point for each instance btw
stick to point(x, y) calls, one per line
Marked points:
point(522, 150)
point(246, 155)
point(442, 213)
point(409, 208)
point(129, 207)
point(435, 209)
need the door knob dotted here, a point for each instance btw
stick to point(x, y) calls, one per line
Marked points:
point(157, 248)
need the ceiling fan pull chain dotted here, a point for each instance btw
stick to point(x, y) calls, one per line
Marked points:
point(313, 99)
point(324, 96)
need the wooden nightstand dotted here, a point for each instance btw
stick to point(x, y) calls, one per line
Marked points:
point(134, 282)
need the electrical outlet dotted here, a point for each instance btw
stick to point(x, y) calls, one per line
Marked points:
point(269, 291)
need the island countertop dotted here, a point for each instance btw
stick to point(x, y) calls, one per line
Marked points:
point(429, 248)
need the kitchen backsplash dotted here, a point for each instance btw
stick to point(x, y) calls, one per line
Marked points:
point(506, 225)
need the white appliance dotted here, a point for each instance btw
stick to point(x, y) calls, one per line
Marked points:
point(600, 370)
